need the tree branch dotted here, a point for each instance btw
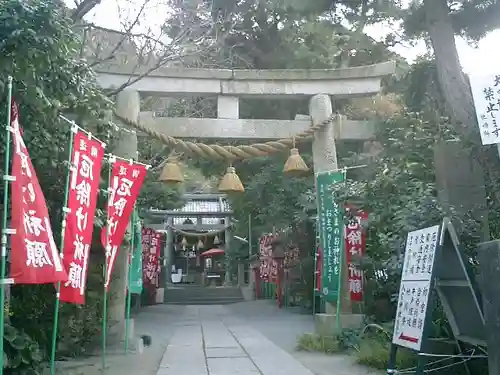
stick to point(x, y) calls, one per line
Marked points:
point(84, 8)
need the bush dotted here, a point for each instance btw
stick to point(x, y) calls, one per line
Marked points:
point(374, 353)
point(22, 354)
point(318, 343)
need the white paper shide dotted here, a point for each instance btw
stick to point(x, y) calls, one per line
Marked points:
point(415, 287)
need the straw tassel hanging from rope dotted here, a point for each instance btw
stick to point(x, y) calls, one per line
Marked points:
point(231, 183)
point(171, 172)
point(295, 165)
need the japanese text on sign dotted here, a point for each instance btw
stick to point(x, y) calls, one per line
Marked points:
point(331, 231)
point(354, 247)
point(415, 287)
point(82, 200)
point(265, 256)
point(125, 184)
point(486, 94)
point(151, 246)
point(34, 258)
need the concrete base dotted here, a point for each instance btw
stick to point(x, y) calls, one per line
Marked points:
point(139, 345)
point(160, 295)
point(116, 332)
point(131, 331)
point(248, 293)
point(325, 324)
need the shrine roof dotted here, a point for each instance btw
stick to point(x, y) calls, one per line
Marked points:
point(211, 208)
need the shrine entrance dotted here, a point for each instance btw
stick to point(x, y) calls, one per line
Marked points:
point(324, 126)
point(198, 240)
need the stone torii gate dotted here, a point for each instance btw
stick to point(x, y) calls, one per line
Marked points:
point(229, 86)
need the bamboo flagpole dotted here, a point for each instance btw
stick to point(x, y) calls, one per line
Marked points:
point(107, 252)
point(341, 262)
point(124, 185)
point(6, 179)
point(129, 279)
point(315, 272)
point(249, 235)
point(73, 130)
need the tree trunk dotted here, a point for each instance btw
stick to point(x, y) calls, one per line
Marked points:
point(469, 185)
point(453, 83)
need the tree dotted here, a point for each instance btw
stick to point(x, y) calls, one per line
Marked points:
point(37, 49)
point(144, 49)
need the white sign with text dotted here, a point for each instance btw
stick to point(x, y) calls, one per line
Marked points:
point(416, 284)
point(486, 95)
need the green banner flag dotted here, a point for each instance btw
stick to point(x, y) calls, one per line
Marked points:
point(135, 278)
point(331, 232)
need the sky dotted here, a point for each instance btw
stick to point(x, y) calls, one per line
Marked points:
point(475, 61)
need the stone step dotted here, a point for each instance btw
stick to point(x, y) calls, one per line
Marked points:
point(214, 301)
point(196, 295)
point(201, 293)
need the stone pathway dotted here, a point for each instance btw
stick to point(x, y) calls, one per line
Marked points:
point(221, 344)
point(248, 338)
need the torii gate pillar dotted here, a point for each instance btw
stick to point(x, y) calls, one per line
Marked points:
point(325, 159)
point(128, 106)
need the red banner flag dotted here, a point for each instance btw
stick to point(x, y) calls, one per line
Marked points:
point(82, 200)
point(125, 185)
point(34, 257)
point(151, 246)
point(265, 255)
point(355, 242)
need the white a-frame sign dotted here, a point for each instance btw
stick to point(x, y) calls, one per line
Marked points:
point(434, 265)
point(416, 284)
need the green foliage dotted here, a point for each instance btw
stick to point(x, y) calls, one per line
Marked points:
point(318, 343)
point(270, 196)
point(375, 353)
point(470, 19)
point(22, 354)
point(40, 49)
point(32, 308)
point(398, 190)
point(370, 346)
point(78, 334)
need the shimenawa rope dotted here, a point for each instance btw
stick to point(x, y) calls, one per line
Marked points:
point(228, 152)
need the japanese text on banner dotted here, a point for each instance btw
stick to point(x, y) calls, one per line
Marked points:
point(85, 175)
point(125, 185)
point(34, 257)
point(330, 226)
point(486, 94)
point(355, 241)
point(151, 246)
point(265, 256)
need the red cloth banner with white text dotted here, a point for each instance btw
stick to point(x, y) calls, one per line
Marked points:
point(151, 246)
point(125, 185)
point(265, 256)
point(34, 257)
point(355, 243)
point(85, 175)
